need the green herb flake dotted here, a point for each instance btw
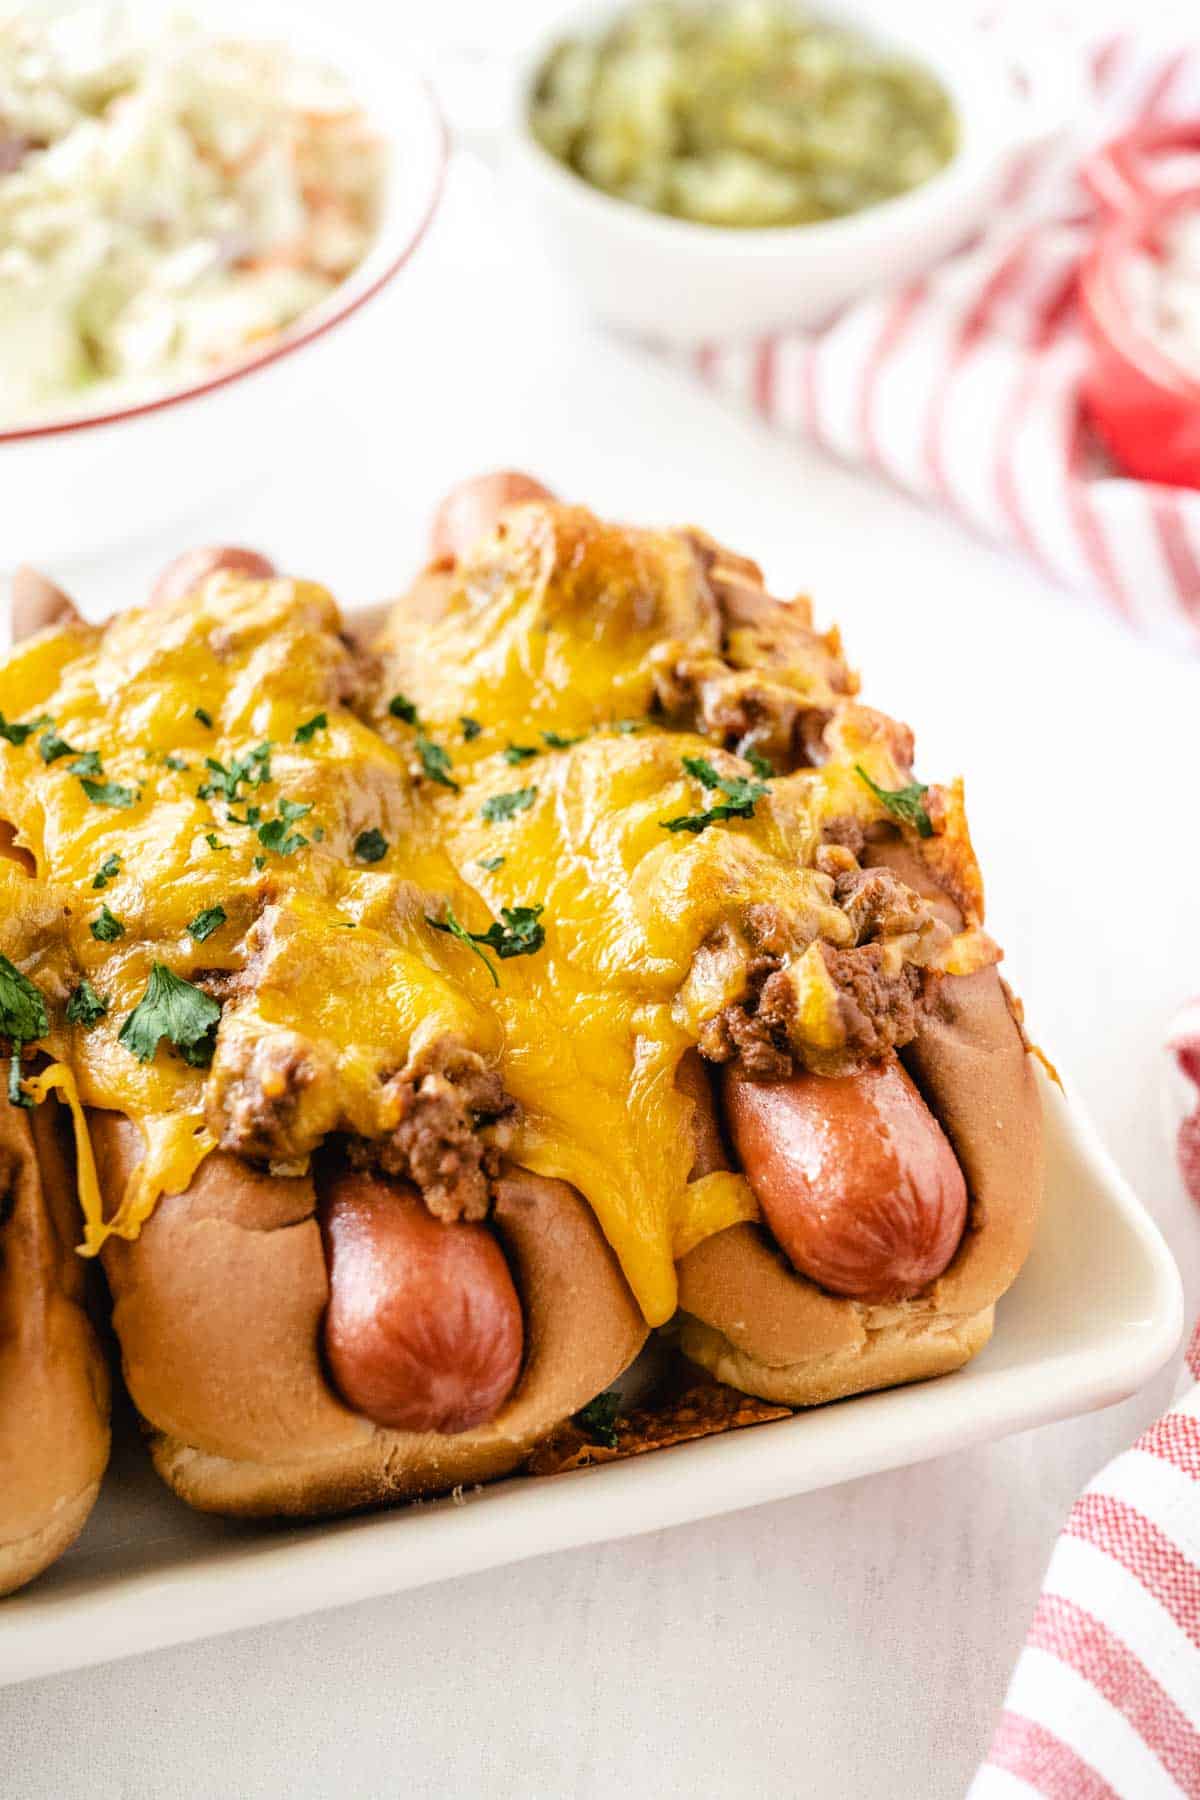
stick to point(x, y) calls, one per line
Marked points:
point(490, 863)
point(254, 769)
point(370, 846)
point(260, 863)
point(905, 804)
point(108, 871)
point(86, 763)
point(106, 928)
point(85, 1006)
point(401, 707)
point(599, 1418)
point(625, 726)
point(175, 762)
point(214, 842)
point(519, 935)
point(276, 834)
point(435, 761)
point(306, 732)
point(554, 740)
point(741, 797)
point(174, 1009)
point(52, 746)
point(506, 806)
point(762, 768)
point(206, 922)
point(204, 716)
point(471, 728)
point(108, 793)
point(22, 1020)
point(16, 733)
point(516, 754)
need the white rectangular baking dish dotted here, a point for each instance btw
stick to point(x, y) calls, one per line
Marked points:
point(1096, 1311)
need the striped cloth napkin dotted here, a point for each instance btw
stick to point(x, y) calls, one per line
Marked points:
point(1104, 1703)
point(963, 388)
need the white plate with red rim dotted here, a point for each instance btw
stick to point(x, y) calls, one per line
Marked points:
point(1096, 1311)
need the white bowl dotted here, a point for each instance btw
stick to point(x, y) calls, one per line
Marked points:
point(673, 280)
point(1095, 1312)
point(82, 483)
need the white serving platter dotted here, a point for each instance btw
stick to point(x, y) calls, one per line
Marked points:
point(1096, 1311)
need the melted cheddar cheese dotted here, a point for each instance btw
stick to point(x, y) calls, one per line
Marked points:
point(230, 751)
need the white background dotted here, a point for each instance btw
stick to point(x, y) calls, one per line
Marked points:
point(851, 1643)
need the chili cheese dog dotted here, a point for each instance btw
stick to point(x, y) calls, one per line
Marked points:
point(54, 1394)
point(895, 1161)
point(335, 1290)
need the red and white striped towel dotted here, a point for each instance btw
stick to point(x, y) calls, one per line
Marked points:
point(963, 388)
point(1104, 1703)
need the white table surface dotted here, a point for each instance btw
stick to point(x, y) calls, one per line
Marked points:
point(853, 1642)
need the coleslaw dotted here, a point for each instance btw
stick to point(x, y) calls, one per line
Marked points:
point(168, 201)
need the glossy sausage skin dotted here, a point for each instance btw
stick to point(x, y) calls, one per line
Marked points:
point(194, 566)
point(471, 509)
point(424, 1330)
point(855, 1177)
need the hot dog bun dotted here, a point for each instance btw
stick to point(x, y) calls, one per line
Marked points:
point(219, 1303)
point(752, 1321)
point(53, 1380)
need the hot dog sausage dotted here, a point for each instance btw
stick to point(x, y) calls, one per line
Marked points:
point(855, 1177)
point(424, 1330)
point(194, 566)
point(471, 509)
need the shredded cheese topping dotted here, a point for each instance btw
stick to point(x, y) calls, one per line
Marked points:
point(357, 824)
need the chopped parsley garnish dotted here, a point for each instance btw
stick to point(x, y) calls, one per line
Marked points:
point(740, 799)
point(254, 769)
point(204, 716)
point(401, 707)
point(599, 1418)
point(51, 746)
point(86, 763)
point(85, 1006)
point(306, 732)
point(214, 842)
point(276, 834)
point(906, 803)
point(174, 1009)
point(370, 846)
point(108, 871)
point(206, 922)
point(762, 768)
point(174, 762)
point(519, 753)
point(506, 806)
point(22, 1019)
point(16, 733)
point(260, 862)
point(520, 934)
point(435, 761)
point(471, 728)
point(490, 863)
point(554, 740)
point(105, 927)
point(107, 793)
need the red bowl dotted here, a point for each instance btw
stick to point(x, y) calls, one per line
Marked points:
point(1143, 405)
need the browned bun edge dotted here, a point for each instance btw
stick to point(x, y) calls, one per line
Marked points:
point(38, 603)
point(218, 1306)
point(54, 1388)
point(750, 1319)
